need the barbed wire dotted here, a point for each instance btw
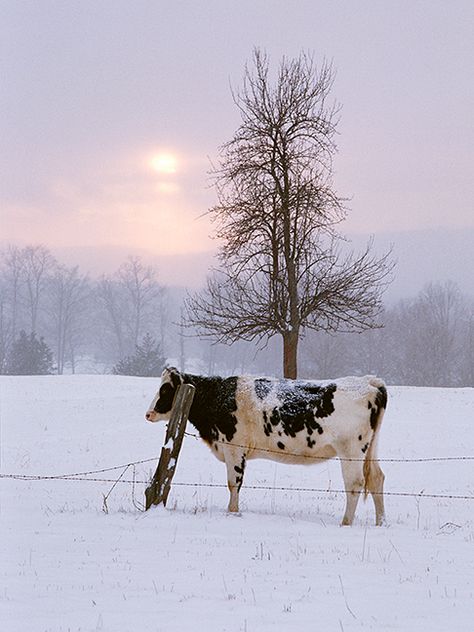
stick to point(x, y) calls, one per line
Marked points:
point(134, 481)
point(91, 475)
point(312, 457)
point(77, 475)
point(103, 470)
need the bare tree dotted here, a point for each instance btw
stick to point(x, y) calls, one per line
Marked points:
point(181, 338)
point(38, 263)
point(132, 304)
point(142, 292)
point(67, 308)
point(111, 316)
point(325, 355)
point(439, 312)
point(13, 266)
point(467, 357)
point(282, 265)
point(6, 337)
point(24, 275)
point(427, 343)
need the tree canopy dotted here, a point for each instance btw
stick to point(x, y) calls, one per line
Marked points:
point(283, 264)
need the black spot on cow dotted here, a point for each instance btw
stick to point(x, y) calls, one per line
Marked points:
point(314, 426)
point(374, 415)
point(360, 437)
point(281, 445)
point(275, 417)
point(301, 404)
point(214, 406)
point(365, 448)
point(267, 426)
point(240, 473)
point(165, 400)
point(262, 387)
point(310, 442)
point(175, 376)
point(324, 404)
point(380, 403)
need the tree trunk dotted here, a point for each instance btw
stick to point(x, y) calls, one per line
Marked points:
point(290, 350)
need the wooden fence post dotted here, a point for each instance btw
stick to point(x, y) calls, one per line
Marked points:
point(159, 488)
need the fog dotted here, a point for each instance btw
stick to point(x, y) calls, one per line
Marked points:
point(422, 256)
point(129, 318)
point(112, 114)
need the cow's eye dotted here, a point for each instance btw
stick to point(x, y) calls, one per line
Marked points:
point(165, 390)
point(165, 400)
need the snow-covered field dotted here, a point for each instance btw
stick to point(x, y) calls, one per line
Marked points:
point(284, 564)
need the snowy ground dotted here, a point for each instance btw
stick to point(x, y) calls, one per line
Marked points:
point(284, 564)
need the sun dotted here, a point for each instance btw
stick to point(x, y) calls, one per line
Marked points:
point(164, 163)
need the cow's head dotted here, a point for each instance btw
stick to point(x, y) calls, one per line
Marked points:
point(160, 407)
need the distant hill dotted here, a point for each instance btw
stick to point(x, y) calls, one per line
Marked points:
point(425, 255)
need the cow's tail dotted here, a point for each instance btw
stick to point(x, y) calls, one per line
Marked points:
point(373, 475)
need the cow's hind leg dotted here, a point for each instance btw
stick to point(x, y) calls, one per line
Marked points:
point(374, 480)
point(235, 463)
point(353, 475)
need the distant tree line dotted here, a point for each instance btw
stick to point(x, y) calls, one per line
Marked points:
point(55, 319)
point(101, 323)
point(427, 340)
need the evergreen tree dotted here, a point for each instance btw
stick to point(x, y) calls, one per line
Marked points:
point(147, 361)
point(30, 356)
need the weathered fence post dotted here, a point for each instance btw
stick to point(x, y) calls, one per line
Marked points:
point(159, 488)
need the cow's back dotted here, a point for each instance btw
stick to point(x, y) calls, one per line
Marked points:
point(303, 421)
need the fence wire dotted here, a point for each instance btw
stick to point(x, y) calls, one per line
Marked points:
point(311, 457)
point(315, 490)
point(91, 475)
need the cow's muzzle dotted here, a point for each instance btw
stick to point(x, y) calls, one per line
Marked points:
point(151, 415)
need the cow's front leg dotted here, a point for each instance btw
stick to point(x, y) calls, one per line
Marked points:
point(235, 463)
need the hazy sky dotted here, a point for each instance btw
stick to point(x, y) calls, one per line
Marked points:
point(110, 111)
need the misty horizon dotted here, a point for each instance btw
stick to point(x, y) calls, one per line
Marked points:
point(422, 256)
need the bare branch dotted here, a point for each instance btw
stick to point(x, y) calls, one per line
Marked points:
point(277, 215)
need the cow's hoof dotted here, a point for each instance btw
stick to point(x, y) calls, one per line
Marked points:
point(236, 514)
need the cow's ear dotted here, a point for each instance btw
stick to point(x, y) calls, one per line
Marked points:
point(175, 377)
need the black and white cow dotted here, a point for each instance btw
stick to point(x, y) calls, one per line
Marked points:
point(291, 421)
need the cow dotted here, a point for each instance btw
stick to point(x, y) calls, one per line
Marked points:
point(290, 421)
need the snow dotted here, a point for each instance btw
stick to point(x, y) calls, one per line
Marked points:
point(169, 445)
point(283, 564)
